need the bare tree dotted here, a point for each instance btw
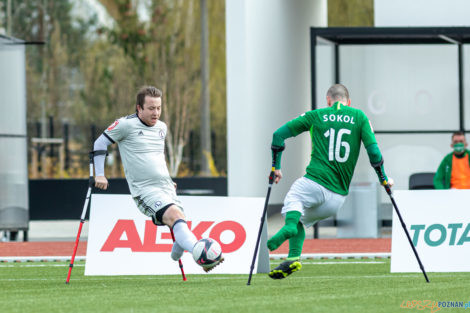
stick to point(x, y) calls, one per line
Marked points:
point(163, 51)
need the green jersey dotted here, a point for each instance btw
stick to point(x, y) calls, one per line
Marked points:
point(336, 133)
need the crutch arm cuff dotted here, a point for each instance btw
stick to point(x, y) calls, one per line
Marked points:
point(277, 148)
point(378, 164)
point(99, 152)
point(276, 155)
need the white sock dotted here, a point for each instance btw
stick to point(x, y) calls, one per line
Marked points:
point(176, 251)
point(183, 236)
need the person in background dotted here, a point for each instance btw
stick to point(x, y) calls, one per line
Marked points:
point(454, 170)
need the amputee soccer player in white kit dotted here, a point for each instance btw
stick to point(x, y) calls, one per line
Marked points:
point(336, 133)
point(141, 141)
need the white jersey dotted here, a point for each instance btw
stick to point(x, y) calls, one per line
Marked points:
point(142, 150)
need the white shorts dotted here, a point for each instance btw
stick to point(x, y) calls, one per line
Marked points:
point(151, 204)
point(312, 200)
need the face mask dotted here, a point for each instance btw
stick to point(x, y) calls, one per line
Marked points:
point(459, 147)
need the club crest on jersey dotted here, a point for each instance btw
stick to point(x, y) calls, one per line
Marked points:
point(158, 204)
point(141, 133)
point(111, 127)
point(162, 134)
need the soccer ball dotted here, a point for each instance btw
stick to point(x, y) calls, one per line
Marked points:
point(206, 252)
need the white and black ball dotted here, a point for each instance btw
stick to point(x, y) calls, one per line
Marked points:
point(206, 252)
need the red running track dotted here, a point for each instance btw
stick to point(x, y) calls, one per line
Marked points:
point(61, 248)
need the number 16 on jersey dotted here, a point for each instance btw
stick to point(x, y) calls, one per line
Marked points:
point(334, 149)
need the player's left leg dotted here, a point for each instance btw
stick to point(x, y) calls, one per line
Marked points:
point(292, 263)
point(285, 269)
point(184, 238)
point(296, 243)
point(317, 203)
point(298, 197)
point(329, 207)
point(286, 232)
point(333, 202)
point(303, 193)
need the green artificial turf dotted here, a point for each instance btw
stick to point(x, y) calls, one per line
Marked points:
point(321, 286)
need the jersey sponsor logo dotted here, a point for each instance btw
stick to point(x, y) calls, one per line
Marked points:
point(111, 127)
point(339, 118)
point(125, 235)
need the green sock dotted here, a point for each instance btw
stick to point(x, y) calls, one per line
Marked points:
point(287, 231)
point(296, 242)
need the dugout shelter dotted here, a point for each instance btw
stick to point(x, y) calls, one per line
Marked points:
point(14, 206)
point(411, 83)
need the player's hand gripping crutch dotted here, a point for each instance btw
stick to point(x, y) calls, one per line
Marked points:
point(378, 168)
point(275, 150)
point(179, 261)
point(91, 182)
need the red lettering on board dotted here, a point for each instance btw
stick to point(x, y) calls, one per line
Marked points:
point(238, 231)
point(114, 239)
point(149, 244)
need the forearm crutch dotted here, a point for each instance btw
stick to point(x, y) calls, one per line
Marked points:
point(91, 183)
point(275, 150)
point(179, 261)
point(378, 168)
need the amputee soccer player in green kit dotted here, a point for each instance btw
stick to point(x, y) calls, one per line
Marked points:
point(336, 133)
point(141, 141)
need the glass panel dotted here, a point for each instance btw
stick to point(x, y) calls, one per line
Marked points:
point(404, 155)
point(12, 91)
point(404, 87)
point(466, 86)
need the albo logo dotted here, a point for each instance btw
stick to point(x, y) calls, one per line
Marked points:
point(437, 234)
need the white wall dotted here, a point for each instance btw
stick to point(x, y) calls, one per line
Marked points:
point(421, 12)
point(268, 83)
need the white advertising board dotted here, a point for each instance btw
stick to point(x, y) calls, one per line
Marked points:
point(123, 241)
point(438, 222)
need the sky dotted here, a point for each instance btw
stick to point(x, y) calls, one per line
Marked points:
point(83, 8)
